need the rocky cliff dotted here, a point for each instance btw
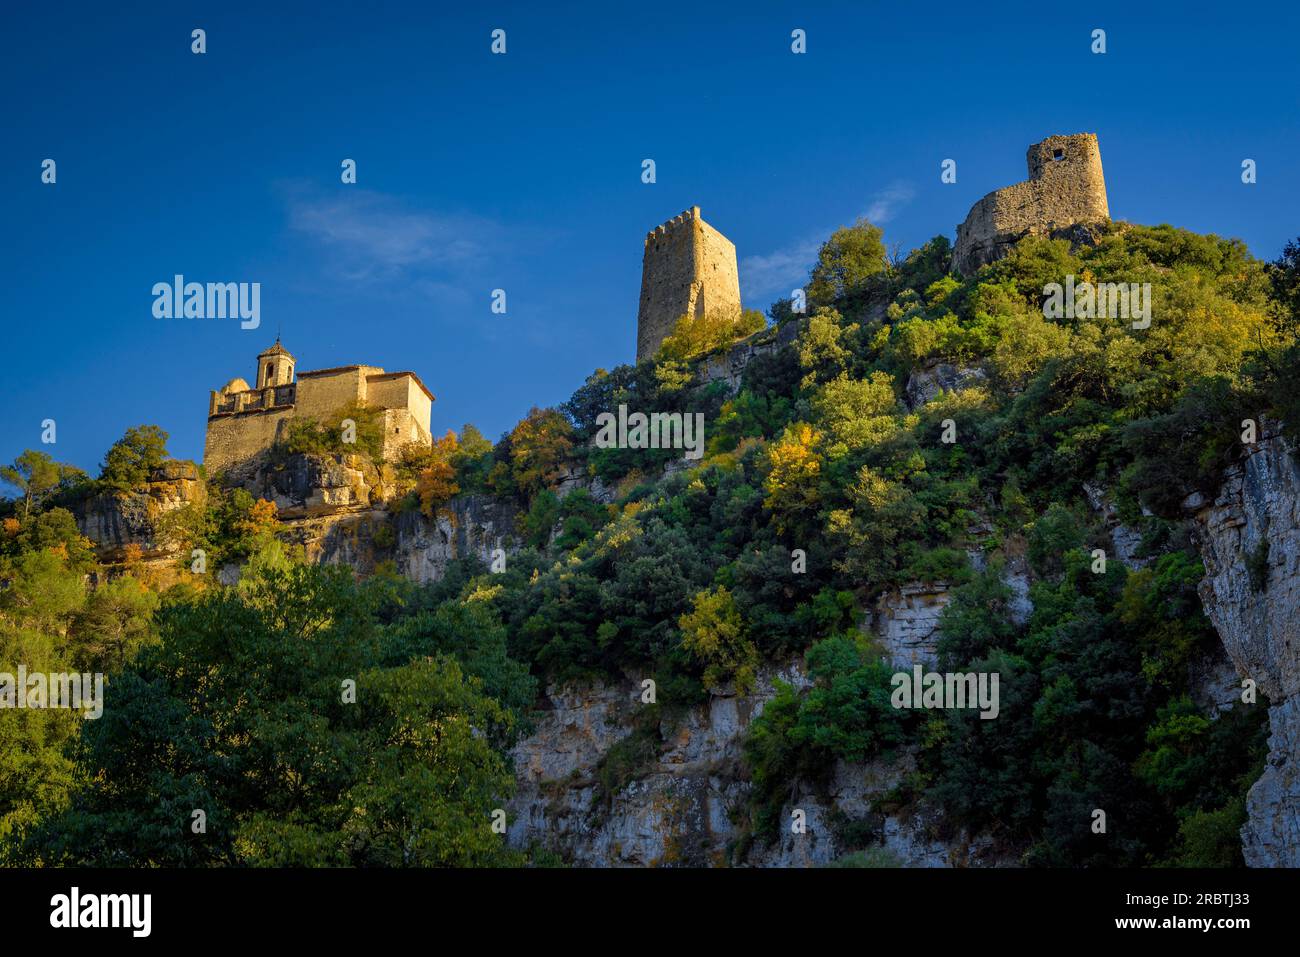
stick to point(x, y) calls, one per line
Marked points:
point(1250, 542)
point(115, 520)
point(606, 780)
point(344, 510)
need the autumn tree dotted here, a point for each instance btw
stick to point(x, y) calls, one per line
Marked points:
point(539, 447)
point(694, 335)
point(795, 470)
point(437, 482)
point(715, 635)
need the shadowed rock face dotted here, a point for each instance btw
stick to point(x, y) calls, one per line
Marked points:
point(680, 806)
point(470, 526)
point(924, 385)
point(307, 485)
point(1250, 542)
point(114, 520)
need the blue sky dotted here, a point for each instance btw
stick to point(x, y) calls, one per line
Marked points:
point(522, 172)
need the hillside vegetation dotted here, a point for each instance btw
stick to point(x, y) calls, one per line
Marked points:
point(825, 483)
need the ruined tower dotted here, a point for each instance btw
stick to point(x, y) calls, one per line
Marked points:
point(1065, 188)
point(689, 268)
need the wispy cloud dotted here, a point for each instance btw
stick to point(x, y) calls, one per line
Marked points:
point(777, 273)
point(885, 203)
point(371, 236)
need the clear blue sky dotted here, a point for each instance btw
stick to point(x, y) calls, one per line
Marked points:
point(522, 172)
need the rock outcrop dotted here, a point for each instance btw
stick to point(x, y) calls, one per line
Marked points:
point(729, 365)
point(601, 787)
point(1249, 538)
point(907, 623)
point(344, 510)
point(116, 520)
point(604, 781)
point(925, 384)
point(310, 485)
point(471, 526)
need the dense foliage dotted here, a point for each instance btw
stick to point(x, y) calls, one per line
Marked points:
point(920, 427)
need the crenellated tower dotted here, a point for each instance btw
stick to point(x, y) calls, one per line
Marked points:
point(689, 268)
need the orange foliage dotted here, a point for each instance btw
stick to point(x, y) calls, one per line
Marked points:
point(437, 482)
point(261, 517)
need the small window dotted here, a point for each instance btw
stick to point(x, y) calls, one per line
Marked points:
point(1058, 154)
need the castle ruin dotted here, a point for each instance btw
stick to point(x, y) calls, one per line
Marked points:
point(1065, 188)
point(244, 422)
point(689, 268)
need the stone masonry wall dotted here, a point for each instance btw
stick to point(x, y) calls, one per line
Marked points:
point(1065, 187)
point(689, 268)
point(319, 396)
point(234, 438)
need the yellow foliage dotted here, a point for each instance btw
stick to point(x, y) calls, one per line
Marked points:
point(437, 482)
point(713, 632)
point(796, 465)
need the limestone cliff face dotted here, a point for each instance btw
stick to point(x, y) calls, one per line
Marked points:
point(307, 485)
point(679, 796)
point(470, 526)
point(683, 785)
point(906, 620)
point(116, 520)
point(343, 510)
point(1250, 542)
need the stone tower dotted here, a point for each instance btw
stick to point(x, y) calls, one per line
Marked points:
point(1065, 188)
point(274, 366)
point(689, 268)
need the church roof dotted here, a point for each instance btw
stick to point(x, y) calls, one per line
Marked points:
point(275, 350)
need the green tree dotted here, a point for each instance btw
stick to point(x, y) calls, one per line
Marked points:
point(245, 709)
point(847, 263)
point(131, 459)
point(847, 712)
point(35, 475)
point(714, 634)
